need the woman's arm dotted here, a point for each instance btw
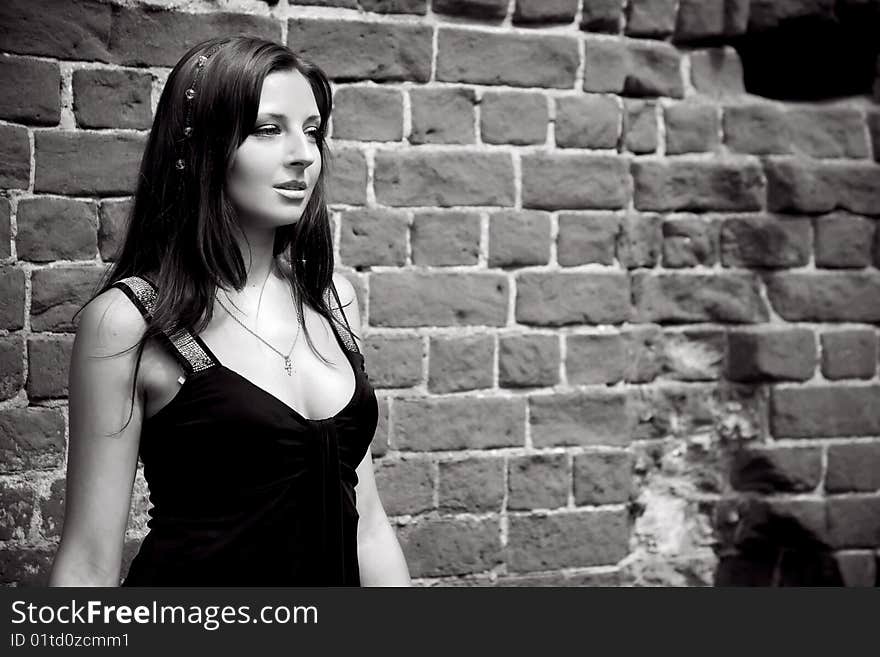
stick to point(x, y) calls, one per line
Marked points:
point(101, 459)
point(380, 558)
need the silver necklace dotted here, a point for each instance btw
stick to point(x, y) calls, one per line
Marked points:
point(288, 366)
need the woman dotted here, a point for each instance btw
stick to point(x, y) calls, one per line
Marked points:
point(223, 350)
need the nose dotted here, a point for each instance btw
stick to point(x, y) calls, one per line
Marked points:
point(299, 150)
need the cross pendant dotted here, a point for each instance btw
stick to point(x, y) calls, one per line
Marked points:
point(287, 365)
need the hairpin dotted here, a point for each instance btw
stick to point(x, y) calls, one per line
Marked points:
point(189, 95)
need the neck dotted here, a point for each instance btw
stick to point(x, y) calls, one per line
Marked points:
point(258, 259)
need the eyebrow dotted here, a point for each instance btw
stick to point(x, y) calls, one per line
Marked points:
point(282, 117)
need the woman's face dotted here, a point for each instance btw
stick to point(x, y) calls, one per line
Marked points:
point(273, 173)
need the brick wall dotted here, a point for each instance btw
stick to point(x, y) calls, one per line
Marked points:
point(621, 314)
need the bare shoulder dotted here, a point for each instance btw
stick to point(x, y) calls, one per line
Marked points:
point(112, 321)
point(345, 290)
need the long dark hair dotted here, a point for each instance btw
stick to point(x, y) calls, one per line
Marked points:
point(182, 227)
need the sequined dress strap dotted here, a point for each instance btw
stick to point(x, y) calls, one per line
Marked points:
point(192, 353)
point(335, 305)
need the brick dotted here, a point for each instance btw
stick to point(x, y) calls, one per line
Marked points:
point(86, 164)
point(361, 50)
point(395, 361)
point(566, 540)
point(544, 11)
point(445, 238)
point(606, 64)
point(17, 502)
point(373, 237)
point(654, 70)
point(471, 8)
point(455, 423)
point(57, 293)
point(574, 181)
point(770, 14)
point(539, 481)
point(52, 509)
point(444, 178)
point(825, 411)
point(602, 16)
point(690, 240)
point(685, 297)
point(643, 352)
point(515, 60)
point(11, 297)
point(557, 299)
point(346, 4)
point(562, 578)
point(706, 19)
point(849, 354)
point(112, 224)
point(650, 18)
point(810, 186)
point(760, 129)
point(587, 122)
point(15, 157)
point(640, 126)
point(56, 229)
point(528, 360)
point(5, 228)
point(771, 354)
point(828, 132)
point(844, 240)
point(26, 566)
point(405, 486)
point(112, 99)
point(599, 417)
point(696, 184)
point(347, 179)
point(368, 114)
point(48, 362)
point(519, 238)
point(517, 118)
point(602, 478)
point(857, 568)
point(453, 299)
point(438, 547)
point(691, 128)
point(31, 439)
point(717, 72)
point(78, 30)
point(854, 522)
point(460, 363)
point(694, 355)
point(587, 238)
point(640, 240)
point(593, 358)
point(765, 241)
point(37, 85)
point(442, 116)
point(776, 469)
point(394, 6)
point(155, 36)
point(11, 365)
point(472, 485)
point(825, 296)
point(854, 467)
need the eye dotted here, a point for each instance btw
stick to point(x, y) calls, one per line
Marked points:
point(314, 132)
point(268, 130)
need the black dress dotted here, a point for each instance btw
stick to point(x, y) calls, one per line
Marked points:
point(245, 491)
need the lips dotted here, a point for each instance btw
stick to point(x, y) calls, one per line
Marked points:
point(292, 185)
